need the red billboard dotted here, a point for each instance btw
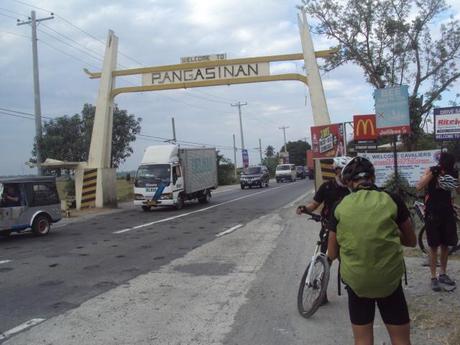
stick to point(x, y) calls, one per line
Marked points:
point(328, 140)
point(364, 127)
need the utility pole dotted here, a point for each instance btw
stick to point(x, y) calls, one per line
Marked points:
point(173, 129)
point(260, 151)
point(239, 105)
point(234, 155)
point(38, 112)
point(284, 133)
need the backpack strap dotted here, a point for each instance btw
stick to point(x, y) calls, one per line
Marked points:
point(405, 272)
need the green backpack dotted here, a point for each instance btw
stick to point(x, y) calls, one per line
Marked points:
point(371, 256)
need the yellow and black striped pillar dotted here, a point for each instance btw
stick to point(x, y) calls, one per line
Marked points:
point(88, 195)
point(327, 172)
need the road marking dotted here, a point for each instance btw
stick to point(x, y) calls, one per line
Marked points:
point(226, 232)
point(20, 328)
point(4, 261)
point(193, 212)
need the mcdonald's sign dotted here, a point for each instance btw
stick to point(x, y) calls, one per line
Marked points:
point(365, 127)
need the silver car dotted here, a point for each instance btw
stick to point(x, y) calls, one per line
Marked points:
point(28, 203)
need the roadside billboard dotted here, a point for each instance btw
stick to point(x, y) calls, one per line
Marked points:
point(392, 110)
point(245, 157)
point(364, 127)
point(411, 165)
point(447, 123)
point(328, 140)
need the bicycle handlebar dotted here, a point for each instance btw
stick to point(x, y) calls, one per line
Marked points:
point(314, 216)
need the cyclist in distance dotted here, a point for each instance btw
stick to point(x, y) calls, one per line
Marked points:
point(441, 229)
point(368, 227)
point(329, 193)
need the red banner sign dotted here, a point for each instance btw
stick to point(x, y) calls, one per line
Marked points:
point(364, 127)
point(328, 140)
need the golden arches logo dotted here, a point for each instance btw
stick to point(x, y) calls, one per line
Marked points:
point(364, 125)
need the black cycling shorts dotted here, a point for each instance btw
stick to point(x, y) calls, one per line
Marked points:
point(393, 308)
point(441, 230)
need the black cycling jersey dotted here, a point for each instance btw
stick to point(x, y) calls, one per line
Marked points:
point(330, 193)
point(438, 200)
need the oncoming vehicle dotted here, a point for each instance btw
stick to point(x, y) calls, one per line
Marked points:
point(254, 176)
point(28, 203)
point(285, 172)
point(300, 172)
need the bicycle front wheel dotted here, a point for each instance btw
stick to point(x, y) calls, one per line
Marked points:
point(312, 293)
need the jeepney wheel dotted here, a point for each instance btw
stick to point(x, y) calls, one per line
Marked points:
point(41, 225)
point(146, 208)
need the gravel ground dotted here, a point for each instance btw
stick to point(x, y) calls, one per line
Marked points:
point(435, 315)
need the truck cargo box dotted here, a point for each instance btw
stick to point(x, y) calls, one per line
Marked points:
point(200, 168)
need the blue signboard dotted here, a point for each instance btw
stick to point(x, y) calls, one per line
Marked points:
point(245, 156)
point(447, 123)
point(392, 110)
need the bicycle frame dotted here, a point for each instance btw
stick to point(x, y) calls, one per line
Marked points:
point(316, 253)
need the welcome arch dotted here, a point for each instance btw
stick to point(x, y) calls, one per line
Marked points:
point(95, 179)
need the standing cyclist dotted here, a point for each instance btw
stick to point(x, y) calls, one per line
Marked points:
point(368, 227)
point(328, 194)
point(441, 228)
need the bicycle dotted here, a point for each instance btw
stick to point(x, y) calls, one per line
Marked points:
point(313, 285)
point(419, 208)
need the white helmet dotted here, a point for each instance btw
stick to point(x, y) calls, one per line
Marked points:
point(448, 182)
point(340, 162)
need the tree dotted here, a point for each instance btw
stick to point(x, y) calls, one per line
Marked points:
point(297, 152)
point(68, 137)
point(269, 151)
point(392, 42)
point(225, 170)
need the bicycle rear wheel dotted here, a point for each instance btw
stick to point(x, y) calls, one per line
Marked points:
point(311, 295)
point(422, 241)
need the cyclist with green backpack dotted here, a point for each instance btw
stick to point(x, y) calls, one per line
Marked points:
point(368, 228)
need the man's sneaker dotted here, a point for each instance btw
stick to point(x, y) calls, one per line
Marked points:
point(435, 285)
point(445, 279)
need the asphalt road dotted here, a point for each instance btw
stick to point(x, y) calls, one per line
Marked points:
point(44, 277)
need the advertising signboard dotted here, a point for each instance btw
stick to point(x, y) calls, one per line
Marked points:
point(364, 127)
point(411, 165)
point(328, 140)
point(447, 123)
point(245, 156)
point(392, 110)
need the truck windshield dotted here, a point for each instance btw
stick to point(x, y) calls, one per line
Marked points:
point(251, 171)
point(153, 174)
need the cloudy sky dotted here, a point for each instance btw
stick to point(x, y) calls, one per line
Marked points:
point(159, 32)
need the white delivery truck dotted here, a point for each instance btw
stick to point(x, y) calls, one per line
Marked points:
point(169, 175)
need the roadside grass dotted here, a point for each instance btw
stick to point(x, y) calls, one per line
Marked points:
point(124, 190)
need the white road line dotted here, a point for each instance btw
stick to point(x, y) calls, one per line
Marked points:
point(20, 328)
point(226, 232)
point(193, 212)
point(4, 261)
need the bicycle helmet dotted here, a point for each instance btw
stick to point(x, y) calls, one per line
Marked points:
point(357, 168)
point(340, 162)
point(448, 182)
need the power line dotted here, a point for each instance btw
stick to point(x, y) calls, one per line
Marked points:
point(21, 112)
point(8, 16)
point(15, 34)
point(14, 12)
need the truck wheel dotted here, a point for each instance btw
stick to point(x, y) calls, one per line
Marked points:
point(146, 208)
point(242, 187)
point(266, 184)
point(206, 198)
point(180, 202)
point(41, 225)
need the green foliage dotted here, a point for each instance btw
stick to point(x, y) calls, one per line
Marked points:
point(271, 163)
point(69, 187)
point(270, 151)
point(392, 42)
point(225, 170)
point(400, 186)
point(297, 152)
point(68, 138)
